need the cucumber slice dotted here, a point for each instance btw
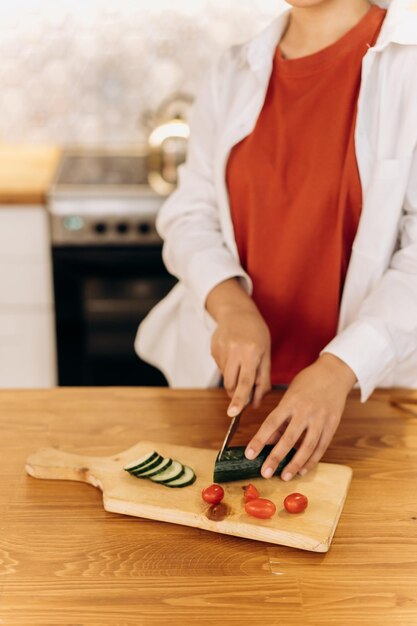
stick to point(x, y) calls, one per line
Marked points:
point(188, 478)
point(143, 460)
point(158, 469)
point(154, 463)
point(174, 471)
point(235, 466)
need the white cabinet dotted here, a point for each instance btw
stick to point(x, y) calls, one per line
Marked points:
point(27, 333)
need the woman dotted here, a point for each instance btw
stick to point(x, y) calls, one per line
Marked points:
point(293, 231)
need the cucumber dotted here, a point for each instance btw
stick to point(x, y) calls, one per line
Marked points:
point(161, 470)
point(188, 478)
point(235, 466)
point(174, 471)
point(143, 460)
point(144, 468)
point(158, 469)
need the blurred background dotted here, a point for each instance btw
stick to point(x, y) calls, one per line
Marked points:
point(95, 98)
point(86, 71)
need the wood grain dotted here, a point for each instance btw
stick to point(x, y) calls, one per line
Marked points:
point(325, 487)
point(66, 561)
point(409, 407)
point(26, 173)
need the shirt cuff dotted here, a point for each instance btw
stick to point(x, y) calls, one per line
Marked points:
point(367, 351)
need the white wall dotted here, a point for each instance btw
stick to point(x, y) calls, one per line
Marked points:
point(85, 71)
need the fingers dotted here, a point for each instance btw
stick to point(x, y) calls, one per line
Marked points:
point(286, 442)
point(314, 444)
point(230, 376)
point(278, 434)
point(311, 410)
point(241, 347)
point(240, 380)
point(302, 456)
point(266, 432)
point(321, 448)
point(243, 392)
point(263, 381)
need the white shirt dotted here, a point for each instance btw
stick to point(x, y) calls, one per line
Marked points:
point(377, 331)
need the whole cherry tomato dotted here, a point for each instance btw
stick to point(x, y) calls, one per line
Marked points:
point(251, 493)
point(260, 507)
point(296, 503)
point(213, 494)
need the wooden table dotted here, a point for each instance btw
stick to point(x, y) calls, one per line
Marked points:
point(64, 560)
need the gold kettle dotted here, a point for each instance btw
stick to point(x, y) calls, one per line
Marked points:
point(167, 141)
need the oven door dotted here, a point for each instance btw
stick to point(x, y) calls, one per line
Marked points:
point(101, 295)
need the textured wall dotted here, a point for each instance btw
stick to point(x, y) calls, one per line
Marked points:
point(86, 70)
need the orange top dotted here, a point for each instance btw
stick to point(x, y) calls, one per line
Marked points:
point(295, 195)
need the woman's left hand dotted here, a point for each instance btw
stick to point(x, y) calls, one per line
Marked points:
point(308, 414)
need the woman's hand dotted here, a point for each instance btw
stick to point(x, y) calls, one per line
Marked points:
point(241, 348)
point(241, 345)
point(308, 415)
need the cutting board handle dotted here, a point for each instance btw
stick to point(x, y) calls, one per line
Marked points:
point(55, 464)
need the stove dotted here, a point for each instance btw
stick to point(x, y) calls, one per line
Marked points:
point(103, 198)
point(107, 265)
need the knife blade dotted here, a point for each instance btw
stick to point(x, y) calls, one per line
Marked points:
point(234, 425)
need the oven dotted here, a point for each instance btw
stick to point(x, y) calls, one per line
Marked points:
point(107, 267)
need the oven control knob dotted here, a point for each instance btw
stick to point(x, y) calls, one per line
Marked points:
point(144, 228)
point(100, 228)
point(122, 228)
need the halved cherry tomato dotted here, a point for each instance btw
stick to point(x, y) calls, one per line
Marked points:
point(260, 507)
point(251, 493)
point(213, 494)
point(296, 503)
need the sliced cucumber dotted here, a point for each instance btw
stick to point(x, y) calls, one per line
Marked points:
point(149, 466)
point(154, 471)
point(161, 470)
point(174, 471)
point(235, 466)
point(143, 460)
point(188, 478)
point(156, 461)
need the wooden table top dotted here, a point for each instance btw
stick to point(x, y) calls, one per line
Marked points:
point(26, 173)
point(64, 560)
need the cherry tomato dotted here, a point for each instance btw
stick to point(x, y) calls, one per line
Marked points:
point(296, 503)
point(251, 493)
point(213, 494)
point(260, 507)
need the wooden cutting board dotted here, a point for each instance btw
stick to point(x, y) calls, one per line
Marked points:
point(326, 488)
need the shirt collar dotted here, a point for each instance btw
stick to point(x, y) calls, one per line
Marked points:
point(400, 26)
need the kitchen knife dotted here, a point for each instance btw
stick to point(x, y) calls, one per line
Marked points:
point(234, 425)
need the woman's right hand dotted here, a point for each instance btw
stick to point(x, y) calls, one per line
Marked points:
point(241, 345)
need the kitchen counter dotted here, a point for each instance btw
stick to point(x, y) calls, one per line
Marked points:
point(26, 172)
point(64, 560)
